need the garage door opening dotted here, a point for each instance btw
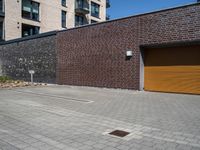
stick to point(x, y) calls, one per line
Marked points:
point(175, 69)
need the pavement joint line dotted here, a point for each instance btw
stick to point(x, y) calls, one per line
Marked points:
point(16, 148)
point(55, 96)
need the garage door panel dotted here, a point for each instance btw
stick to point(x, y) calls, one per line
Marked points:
point(160, 76)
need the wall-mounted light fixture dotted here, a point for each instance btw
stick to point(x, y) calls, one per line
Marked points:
point(129, 53)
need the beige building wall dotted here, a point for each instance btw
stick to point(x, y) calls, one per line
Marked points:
point(12, 19)
point(70, 13)
point(50, 16)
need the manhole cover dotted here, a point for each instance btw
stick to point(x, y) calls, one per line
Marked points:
point(119, 133)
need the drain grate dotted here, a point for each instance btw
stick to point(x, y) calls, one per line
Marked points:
point(119, 133)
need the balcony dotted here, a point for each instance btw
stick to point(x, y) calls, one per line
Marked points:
point(82, 7)
point(107, 3)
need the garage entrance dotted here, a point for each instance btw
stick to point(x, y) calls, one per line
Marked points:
point(174, 69)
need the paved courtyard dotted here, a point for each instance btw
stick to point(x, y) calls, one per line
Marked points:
point(80, 118)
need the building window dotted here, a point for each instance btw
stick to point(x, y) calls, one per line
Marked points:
point(63, 2)
point(30, 10)
point(94, 21)
point(79, 20)
point(1, 31)
point(1, 6)
point(95, 8)
point(28, 30)
point(79, 3)
point(64, 19)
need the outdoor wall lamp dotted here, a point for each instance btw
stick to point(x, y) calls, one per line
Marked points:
point(129, 53)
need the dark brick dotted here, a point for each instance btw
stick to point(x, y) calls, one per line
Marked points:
point(38, 54)
point(95, 55)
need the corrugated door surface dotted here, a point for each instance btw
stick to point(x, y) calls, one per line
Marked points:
point(174, 70)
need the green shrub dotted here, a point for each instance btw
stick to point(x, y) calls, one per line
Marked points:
point(4, 79)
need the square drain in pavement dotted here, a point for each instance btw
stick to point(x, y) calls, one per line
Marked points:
point(119, 133)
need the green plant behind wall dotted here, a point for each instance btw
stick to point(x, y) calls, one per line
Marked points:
point(4, 79)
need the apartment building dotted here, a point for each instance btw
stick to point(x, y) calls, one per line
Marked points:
point(21, 18)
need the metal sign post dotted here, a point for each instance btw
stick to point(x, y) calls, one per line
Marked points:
point(32, 73)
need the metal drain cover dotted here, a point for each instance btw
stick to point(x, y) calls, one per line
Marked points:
point(119, 133)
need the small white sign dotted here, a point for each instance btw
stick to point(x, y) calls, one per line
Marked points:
point(31, 71)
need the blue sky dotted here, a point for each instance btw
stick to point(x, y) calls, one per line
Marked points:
point(123, 8)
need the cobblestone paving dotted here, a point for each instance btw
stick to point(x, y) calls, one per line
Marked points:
point(80, 118)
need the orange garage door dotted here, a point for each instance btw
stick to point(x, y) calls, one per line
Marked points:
point(172, 69)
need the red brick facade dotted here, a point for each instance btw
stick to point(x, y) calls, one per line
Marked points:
point(94, 55)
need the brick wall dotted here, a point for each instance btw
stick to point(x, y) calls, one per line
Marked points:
point(39, 54)
point(95, 55)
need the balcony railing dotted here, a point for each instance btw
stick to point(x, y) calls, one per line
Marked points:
point(82, 7)
point(107, 3)
point(77, 24)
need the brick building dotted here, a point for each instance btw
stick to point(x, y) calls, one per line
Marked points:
point(165, 47)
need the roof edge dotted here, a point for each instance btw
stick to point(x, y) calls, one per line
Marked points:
point(46, 34)
point(51, 33)
point(132, 16)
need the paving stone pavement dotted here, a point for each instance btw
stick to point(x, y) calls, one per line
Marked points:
point(80, 118)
